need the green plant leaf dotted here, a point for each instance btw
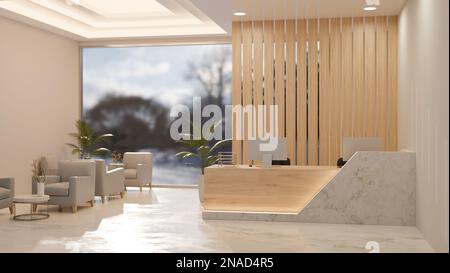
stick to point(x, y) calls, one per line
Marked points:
point(211, 160)
point(102, 138)
point(219, 144)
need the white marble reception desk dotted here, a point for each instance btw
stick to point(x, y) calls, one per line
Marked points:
point(374, 188)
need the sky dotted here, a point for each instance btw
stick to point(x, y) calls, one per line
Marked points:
point(151, 72)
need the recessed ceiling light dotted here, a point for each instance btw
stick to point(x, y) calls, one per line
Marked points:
point(370, 8)
point(240, 13)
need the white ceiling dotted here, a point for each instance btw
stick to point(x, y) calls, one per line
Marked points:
point(102, 20)
point(292, 9)
point(116, 19)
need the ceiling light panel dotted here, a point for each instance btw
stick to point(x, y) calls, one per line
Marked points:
point(126, 8)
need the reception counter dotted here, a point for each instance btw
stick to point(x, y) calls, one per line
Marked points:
point(282, 189)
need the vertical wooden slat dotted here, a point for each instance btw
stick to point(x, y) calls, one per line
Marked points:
point(392, 79)
point(268, 69)
point(358, 76)
point(301, 93)
point(335, 94)
point(369, 76)
point(324, 91)
point(381, 82)
point(247, 93)
point(237, 86)
point(290, 90)
point(280, 76)
point(258, 70)
point(347, 78)
point(312, 94)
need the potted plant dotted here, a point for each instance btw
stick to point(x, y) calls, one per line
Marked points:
point(39, 171)
point(87, 141)
point(201, 150)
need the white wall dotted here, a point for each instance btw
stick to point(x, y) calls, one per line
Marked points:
point(424, 110)
point(39, 98)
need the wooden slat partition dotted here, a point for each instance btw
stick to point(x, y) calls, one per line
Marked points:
point(324, 92)
point(313, 94)
point(302, 143)
point(280, 75)
point(247, 91)
point(330, 77)
point(335, 91)
point(290, 90)
point(236, 97)
point(392, 84)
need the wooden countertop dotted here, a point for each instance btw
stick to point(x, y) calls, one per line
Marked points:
point(257, 189)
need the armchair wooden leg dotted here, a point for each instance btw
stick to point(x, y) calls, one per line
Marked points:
point(91, 203)
point(11, 209)
point(103, 198)
point(121, 195)
point(74, 209)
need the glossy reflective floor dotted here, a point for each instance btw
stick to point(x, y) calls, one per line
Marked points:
point(169, 220)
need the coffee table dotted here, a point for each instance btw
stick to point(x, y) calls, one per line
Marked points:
point(33, 200)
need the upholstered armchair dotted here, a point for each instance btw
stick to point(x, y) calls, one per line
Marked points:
point(138, 169)
point(7, 194)
point(108, 182)
point(74, 184)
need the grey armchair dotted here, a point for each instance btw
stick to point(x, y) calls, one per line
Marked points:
point(108, 182)
point(7, 194)
point(138, 169)
point(74, 184)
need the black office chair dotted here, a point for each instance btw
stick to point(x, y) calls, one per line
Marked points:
point(340, 162)
point(286, 162)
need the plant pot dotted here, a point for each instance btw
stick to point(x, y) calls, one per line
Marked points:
point(40, 189)
point(201, 188)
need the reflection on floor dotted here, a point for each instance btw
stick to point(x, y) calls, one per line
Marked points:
point(169, 220)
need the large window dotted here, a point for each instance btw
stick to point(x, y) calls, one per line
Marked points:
point(129, 92)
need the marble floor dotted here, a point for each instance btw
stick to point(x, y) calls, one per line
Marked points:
point(169, 220)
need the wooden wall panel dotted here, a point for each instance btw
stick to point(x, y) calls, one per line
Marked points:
point(331, 78)
point(301, 94)
point(335, 92)
point(236, 95)
point(347, 78)
point(392, 85)
point(313, 119)
point(324, 92)
point(247, 91)
point(290, 90)
point(358, 76)
point(381, 80)
point(269, 75)
point(280, 75)
point(369, 76)
point(258, 70)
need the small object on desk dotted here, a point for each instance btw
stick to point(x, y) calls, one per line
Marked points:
point(340, 163)
point(286, 162)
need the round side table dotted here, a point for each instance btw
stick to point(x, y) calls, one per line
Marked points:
point(33, 200)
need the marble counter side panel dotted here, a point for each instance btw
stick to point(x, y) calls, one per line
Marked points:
point(373, 188)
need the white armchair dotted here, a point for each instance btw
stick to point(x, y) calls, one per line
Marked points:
point(108, 182)
point(73, 186)
point(137, 169)
point(7, 194)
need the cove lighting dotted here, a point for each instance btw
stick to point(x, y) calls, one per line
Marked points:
point(240, 13)
point(370, 8)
